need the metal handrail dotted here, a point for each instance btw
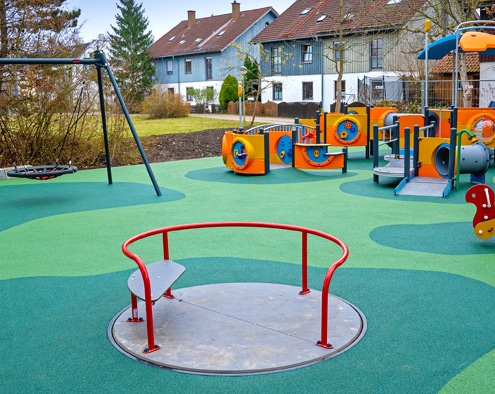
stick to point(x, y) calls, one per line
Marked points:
point(323, 341)
point(267, 128)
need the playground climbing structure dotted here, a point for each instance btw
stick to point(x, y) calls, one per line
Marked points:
point(251, 152)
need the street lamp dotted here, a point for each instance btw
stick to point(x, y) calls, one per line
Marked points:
point(242, 109)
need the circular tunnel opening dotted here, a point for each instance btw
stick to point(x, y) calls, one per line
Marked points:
point(441, 160)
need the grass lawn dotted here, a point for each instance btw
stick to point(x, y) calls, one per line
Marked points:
point(146, 126)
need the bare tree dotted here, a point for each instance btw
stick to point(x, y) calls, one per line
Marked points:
point(30, 96)
point(256, 62)
point(445, 17)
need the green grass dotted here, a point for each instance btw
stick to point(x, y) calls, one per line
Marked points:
point(146, 126)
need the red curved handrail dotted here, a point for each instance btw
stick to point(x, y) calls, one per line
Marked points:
point(323, 342)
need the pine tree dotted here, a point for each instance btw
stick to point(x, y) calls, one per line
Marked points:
point(133, 68)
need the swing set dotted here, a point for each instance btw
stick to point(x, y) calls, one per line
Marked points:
point(44, 172)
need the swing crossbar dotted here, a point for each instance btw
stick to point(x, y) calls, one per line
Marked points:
point(54, 61)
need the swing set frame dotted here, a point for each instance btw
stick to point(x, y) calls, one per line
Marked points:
point(100, 62)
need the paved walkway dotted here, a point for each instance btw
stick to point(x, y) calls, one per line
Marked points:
point(258, 119)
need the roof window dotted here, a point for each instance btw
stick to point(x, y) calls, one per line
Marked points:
point(321, 18)
point(171, 38)
point(390, 2)
point(182, 42)
point(305, 11)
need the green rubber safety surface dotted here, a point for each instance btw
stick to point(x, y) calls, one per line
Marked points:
point(423, 280)
point(417, 321)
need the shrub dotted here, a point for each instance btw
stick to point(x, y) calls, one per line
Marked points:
point(160, 105)
point(228, 91)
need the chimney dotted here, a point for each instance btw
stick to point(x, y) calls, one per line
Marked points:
point(191, 18)
point(236, 10)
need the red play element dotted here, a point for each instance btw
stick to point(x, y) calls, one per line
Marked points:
point(153, 280)
point(483, 197)
point(308, 135)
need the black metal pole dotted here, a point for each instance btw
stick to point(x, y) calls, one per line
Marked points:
point(375, 152)
point(416, 150)
point(104, 125)
point(368, 127)
point(452, 147)
point(407, 153)
point(318, 129)
point(103, 63)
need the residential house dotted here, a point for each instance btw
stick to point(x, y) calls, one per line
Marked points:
point(441, 81)
point(314, 39)
point(201, 52)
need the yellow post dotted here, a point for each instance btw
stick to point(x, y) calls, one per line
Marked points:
point(427, 25)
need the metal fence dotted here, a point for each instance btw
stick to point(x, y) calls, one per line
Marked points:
point(441, 93)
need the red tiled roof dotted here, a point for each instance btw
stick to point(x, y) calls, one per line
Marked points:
point(444, 66)
point(324, 17)
point(209, 34)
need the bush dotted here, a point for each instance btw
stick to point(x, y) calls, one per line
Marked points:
point(160, 105)
point(228, 91)
point(403, 106)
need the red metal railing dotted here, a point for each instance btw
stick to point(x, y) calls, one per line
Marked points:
point(323, 341)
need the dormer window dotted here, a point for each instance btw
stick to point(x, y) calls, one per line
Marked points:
point(305, 11)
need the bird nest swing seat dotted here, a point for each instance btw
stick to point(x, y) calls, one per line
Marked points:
point(41, 173)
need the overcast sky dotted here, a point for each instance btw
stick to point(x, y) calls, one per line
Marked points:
point(98, 15)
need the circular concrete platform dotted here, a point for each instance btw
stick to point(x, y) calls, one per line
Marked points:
point(238, 329)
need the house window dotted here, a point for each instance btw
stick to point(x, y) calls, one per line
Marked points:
point(276, 60)
point(342, 85)
point(376, 54)
point(277, 91)
point(208, 69)
point(170, 67)
point(189, 93)
point(307, 90)
point(170, 90)
point(307, 53)
point(338, 51)
point(188, 66)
